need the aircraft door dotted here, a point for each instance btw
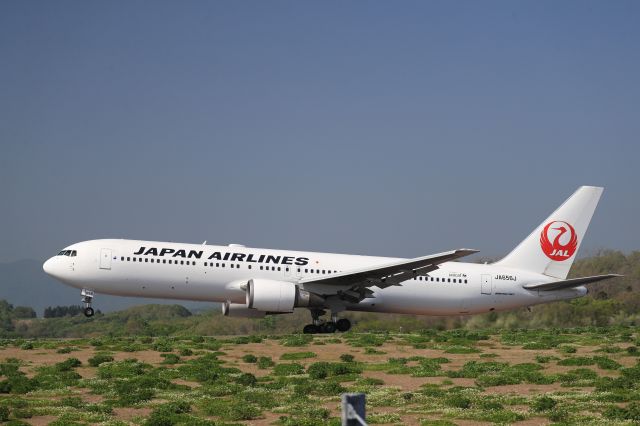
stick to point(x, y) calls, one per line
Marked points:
point(291, 272)
point(485, 284)
point(105, 258)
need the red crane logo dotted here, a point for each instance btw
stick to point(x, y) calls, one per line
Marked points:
point(563, 245)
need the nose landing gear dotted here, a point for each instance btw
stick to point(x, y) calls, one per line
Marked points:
point(87, 298)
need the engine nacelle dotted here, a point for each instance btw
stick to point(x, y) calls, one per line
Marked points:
point(240, 310)
point(279, 296)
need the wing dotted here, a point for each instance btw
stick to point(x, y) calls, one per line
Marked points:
point(574, 282)
point(356, 284)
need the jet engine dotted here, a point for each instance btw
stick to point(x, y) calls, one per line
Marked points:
point(240, 310)
point(279, 296)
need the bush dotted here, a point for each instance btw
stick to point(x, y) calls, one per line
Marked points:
point(23, 413)
point(543, 359)
point(297, 340)
point(606, 363)
point(242, 411)
point(170, 358)
point(577, 361)
point(124, 369)
point(249, 358)
point(265, 362)
point(543, 403)
point(168, 414)
point(346, 358)
point(321, 370)
point(186, 352)
point(130, 392)
point(68, 364)
point(566, 349)
point(99, 359)
point(461, 350)
point(4, 413)
point(287, 370)
point(458, 401)
point(247, 379)
point(297, 355)
point(162, 345)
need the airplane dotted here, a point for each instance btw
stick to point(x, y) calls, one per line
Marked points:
point(254, 282)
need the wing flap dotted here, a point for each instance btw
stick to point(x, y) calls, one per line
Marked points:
point(574, 282)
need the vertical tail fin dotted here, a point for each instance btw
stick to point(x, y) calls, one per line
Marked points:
point(552, 247)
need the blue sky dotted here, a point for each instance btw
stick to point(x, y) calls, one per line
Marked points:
point(383, 128)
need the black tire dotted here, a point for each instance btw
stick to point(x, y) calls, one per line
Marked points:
point(329, 327)
point(343, 325)
point(310, 329)
point(88, 312)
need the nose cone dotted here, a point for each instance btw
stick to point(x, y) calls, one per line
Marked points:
point(47, 266)
point(52, 267)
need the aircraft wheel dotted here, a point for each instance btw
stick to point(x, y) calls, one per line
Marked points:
point(310, 329)
point(88, 312)
point(343, 325)
point(329, 327)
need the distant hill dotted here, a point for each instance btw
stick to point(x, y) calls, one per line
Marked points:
point(24, 283)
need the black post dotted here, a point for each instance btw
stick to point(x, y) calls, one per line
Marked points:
point(353, 409)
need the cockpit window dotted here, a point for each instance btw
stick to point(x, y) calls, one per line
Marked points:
point(71, 253)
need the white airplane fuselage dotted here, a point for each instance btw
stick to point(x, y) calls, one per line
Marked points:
point(220, 273)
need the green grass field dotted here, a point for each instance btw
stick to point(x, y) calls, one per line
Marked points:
point(562, 376)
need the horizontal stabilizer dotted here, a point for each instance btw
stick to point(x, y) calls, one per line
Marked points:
point(574, 282)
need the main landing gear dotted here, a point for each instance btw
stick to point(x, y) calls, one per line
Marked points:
point(87, 298)
point(321, 326)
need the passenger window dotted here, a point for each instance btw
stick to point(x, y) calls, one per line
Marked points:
point(205, 263)
point(261, 268)
point(128, 259)
point(249, 266)
point(182, 262)
point(278, 268)
point(164, 260)
point(122, 258)
point(306, 271)
point(146, 259)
